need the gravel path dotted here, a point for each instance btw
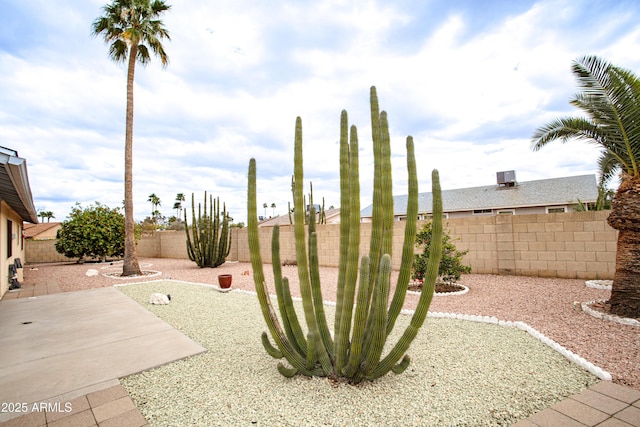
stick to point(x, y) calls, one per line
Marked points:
point(544, 304)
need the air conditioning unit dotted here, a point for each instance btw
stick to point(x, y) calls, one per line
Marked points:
point(506, 178)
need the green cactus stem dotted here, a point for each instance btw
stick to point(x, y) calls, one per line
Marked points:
point(363, 318)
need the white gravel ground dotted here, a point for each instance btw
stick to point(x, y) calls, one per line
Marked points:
point(462, 373)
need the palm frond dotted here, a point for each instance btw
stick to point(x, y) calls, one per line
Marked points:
point(609, 167)
point(610, 98)
point(133, 22)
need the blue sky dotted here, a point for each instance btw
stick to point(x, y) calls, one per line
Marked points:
point(469, 80)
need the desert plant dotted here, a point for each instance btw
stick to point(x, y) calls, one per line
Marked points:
point(209, 236)
point(96, 231)
point(451, 266)
point(354, 352)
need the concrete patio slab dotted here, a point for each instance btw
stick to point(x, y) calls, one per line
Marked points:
point(58, 347)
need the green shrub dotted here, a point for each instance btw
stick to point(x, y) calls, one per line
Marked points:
point(451, 266)
point(96, 231)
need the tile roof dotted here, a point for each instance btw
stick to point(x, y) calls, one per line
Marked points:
point(32, 230)
point(544, 192)
point(284, 219)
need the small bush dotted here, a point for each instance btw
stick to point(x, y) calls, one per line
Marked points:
point(451, 266)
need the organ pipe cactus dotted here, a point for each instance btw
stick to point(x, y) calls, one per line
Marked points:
point(209, 237)
point(363, 320)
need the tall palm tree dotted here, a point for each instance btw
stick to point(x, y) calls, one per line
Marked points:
point(273, 208)
point(155, 202)
point(131, 28)
point(610, 98)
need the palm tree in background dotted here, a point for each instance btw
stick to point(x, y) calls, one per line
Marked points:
point(46, 214)
point(155, 202)
point(610, 98)
point(273, 209)
point(178, 205)
point(132, 29)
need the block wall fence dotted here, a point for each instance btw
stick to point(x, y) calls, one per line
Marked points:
point(575, 245)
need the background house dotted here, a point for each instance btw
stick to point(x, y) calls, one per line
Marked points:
point(42, 231)
point(16, 207)
point(506, 197)
point(332, 217)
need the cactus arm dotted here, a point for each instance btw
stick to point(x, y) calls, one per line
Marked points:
point(352, 254)
point(298, 340)
point(214, 232)
point(427, 291)
point(227, 232)
point(387, 191)
point(285, 303)
point(340, 351)
point(382, 226)
point(293, 357)
point(190, 251)
point(379, 324)
point(402, 366)
point(375, 244)
point(273, 352)
point(301, 249)
point(287, 372)
point(317, 293)
point(204, 238)
point(312, 351)
point(359, 320)
point(224, 239)
point(409, 239)
point(196, 230)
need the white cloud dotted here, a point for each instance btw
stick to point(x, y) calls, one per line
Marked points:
point(470, 92)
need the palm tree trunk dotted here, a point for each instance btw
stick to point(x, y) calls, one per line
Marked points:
point(130, 266)
point(625, 217)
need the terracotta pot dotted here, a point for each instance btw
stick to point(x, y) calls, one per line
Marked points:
point(224, 280)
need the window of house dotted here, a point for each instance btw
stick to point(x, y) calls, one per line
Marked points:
point(9, 238)
point(556, 210)
point(482, 211)
point(429, 217)
point(506, 212)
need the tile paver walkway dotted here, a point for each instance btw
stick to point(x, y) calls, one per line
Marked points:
point(605, 404)
point(109, 407)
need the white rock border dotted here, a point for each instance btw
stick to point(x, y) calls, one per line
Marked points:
point(599, 284)
point(586, 307)
point(445, 294)
point(154, 273)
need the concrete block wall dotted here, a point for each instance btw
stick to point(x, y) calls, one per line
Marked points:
point(577, 245)
point(43, 251)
